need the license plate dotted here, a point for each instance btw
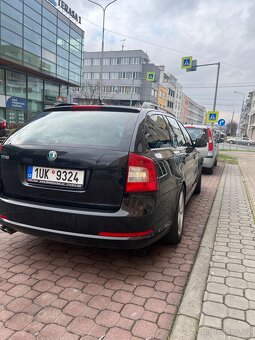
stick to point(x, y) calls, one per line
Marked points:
point(55, 176)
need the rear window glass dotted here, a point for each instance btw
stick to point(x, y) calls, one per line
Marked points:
point(99, 129)
point(196, 133)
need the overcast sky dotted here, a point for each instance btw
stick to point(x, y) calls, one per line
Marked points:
point(210, 31)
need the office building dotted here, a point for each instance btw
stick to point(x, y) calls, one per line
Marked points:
point(125, 80)
point(41, 51)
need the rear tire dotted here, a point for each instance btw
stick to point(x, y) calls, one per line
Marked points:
point(216, 161)
point(209, 171)
point(174, 235)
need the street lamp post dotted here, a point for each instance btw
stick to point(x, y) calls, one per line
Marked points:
point(242, 104)
point(102, 48)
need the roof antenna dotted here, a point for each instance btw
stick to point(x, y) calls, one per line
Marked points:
point(122, 46)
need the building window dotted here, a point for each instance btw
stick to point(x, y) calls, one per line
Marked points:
point(125, 61)
point(114, 75)
point(95, 75)
point(115, 61)
point(171, 93)
point(96, 62)
point(135, 60)
point(136, 90)
point(123, 75)
point(15, 84)
point(106, 75)
point(87, 62)
point(35, 88)
point(107, 61)
point(170, 104)
point(87, 75)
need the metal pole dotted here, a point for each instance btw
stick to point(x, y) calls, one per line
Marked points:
point(102, 60)
point(131, 97)
point(216, 87)
point(102, 48)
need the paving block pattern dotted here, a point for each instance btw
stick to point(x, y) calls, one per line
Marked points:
point(229, 300)
point(50, 290)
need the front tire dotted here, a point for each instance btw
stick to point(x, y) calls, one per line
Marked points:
point(174, 235)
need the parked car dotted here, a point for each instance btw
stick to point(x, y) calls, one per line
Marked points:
point(210, 149)
point(242, 141)
point(102, 176)
point(3, 127)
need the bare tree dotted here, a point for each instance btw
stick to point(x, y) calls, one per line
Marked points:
point(86, 94)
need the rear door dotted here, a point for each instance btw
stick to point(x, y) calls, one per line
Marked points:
point(91, 149)
point(187, 155)
point(196, 132)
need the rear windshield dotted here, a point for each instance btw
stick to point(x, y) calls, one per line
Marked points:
point(99, 129)
point(196, 133)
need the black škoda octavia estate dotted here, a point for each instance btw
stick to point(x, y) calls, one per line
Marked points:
point(102, 176)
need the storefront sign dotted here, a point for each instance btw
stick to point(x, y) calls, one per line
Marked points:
point(69, 11)
point(16, 103)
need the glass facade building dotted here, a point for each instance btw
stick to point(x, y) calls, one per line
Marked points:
point(41, 53)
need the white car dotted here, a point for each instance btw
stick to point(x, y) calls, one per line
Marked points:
point(209, 150)
point(242, 141)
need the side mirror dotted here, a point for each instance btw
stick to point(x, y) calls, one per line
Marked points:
point(200, 143)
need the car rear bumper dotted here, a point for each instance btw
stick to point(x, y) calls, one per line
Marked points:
point(126, 228)
point(208, 162)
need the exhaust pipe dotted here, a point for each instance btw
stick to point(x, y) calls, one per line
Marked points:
point(7, 229)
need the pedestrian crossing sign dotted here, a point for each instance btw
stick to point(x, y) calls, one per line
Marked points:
point(150, 76)
point(212, 116)
point(186, 63)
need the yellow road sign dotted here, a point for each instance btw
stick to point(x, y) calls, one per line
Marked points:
point(150, 76)
point(186, 63)
point(212, 116)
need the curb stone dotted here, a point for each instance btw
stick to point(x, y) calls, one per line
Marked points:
point(186, 322)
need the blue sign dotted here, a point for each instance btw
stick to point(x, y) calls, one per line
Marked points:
point(186, 62)
point(221, 122)
point(212, 116)
point(16, 103)
point(29, 172)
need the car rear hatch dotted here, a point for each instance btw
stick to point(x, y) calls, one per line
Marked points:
point(200, 133)
point(75, 158)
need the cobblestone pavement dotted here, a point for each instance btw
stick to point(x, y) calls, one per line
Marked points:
point(55, 291)
point(229, 302)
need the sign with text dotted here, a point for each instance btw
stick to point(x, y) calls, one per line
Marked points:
point(16, 103)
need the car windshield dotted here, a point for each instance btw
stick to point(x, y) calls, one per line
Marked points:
point(100, 129)
point(197, 133)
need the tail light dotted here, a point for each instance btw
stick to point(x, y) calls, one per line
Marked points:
point(142, 174)
point(210, 140)
point(3, 125)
